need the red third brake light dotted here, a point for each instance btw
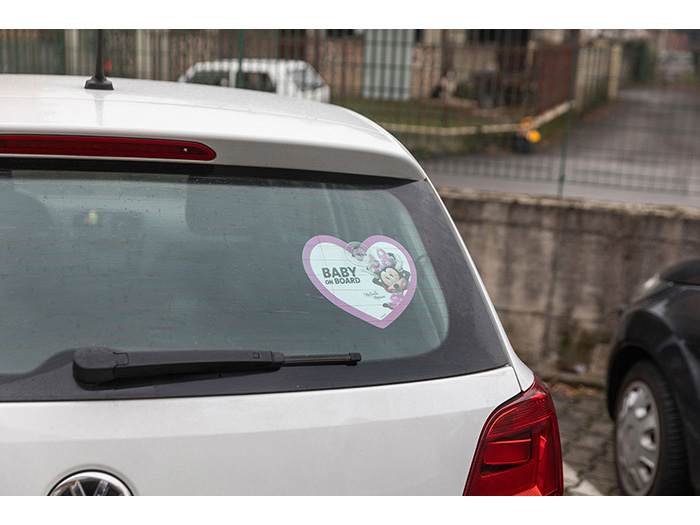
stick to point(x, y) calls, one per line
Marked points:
point(519, 453)
point(104, 147)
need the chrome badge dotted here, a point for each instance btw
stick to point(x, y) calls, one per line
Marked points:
point(90, 483)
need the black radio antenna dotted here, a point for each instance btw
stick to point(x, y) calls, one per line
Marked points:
point(99, 80)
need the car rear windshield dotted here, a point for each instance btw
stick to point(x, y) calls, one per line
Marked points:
point(140, 257)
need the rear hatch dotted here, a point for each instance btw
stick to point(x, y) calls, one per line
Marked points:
point(143, 259)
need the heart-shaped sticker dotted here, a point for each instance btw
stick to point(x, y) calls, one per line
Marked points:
point(373, 280)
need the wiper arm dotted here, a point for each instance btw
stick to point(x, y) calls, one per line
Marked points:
point(100, 365)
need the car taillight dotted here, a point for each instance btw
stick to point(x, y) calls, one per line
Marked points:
point(104, 147)
point(519, 452)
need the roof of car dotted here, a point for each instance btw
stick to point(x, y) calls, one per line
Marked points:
point(243, 127)
point(261, 64)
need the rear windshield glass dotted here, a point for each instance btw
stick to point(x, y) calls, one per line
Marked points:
point(298, 263)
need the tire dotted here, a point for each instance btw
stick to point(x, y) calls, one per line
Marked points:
point(650, 452)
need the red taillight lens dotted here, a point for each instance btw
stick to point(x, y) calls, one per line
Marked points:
point(104, 147)
point(519, 453)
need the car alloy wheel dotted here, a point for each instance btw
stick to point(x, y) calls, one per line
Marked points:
point(637, 438)
point(650, 454)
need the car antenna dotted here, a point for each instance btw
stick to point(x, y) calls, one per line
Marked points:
point(99, 80)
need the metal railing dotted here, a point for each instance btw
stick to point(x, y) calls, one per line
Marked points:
point(527, 105)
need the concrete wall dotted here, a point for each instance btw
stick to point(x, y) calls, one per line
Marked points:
point(557, 270)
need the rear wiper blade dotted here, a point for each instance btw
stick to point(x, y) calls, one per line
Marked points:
point(101, 365)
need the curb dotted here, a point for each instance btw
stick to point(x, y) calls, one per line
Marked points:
point(575, 486)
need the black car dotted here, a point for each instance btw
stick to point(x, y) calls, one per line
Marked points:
point(653, 391)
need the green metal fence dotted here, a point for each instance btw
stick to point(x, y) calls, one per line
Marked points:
point(562, 107)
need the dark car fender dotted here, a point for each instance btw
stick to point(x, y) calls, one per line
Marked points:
point(663, 334)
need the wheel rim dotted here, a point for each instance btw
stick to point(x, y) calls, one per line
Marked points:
point(637, 439)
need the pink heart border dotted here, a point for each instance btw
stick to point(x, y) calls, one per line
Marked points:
point(369, 242)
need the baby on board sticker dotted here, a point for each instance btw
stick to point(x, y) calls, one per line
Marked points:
point(373, 280)
point(388, 272)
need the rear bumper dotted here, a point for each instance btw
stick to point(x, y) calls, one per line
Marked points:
point(411, 439)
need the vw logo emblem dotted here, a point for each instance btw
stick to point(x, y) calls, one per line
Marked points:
point(92, 483)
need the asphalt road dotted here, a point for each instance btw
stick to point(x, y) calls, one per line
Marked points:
point(641, 148)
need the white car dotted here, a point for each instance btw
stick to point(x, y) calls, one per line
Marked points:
point(292, 78)
point(673, 66)
point(213, 293)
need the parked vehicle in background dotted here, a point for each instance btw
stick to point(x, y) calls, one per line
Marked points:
point(653, 388)
point(674, 66)
point(292, 78)
point(210, 291)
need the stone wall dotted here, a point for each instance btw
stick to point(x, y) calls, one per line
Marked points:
point(558, 270)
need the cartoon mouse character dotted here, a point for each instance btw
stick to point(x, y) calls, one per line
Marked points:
point(393, 278)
